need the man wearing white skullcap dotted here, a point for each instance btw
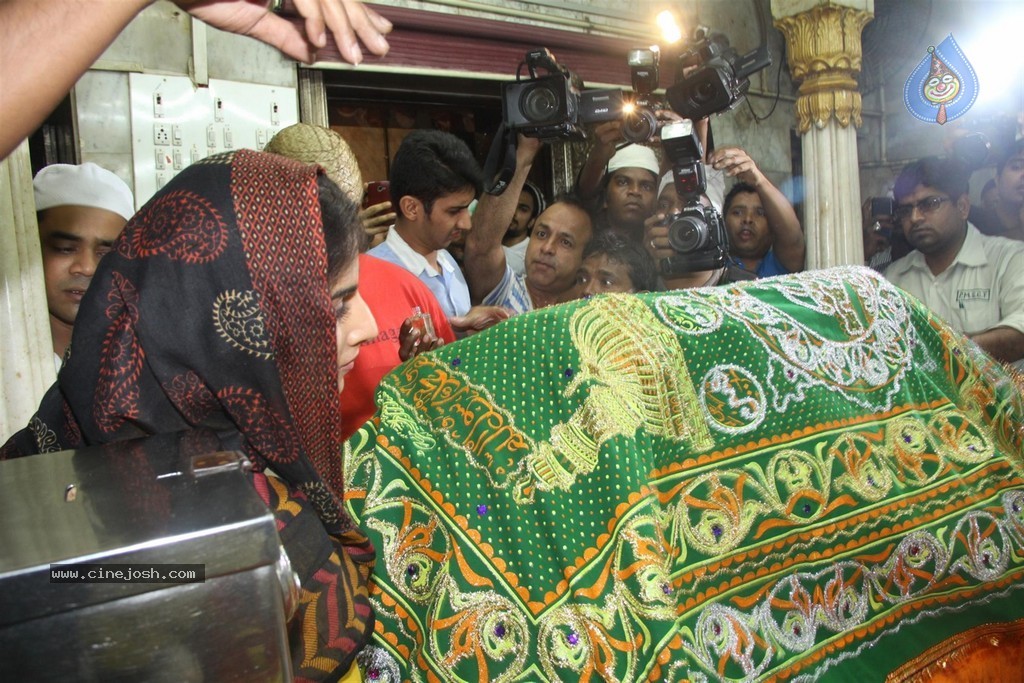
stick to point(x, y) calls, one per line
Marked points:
point(81, 211)
point(630, 190)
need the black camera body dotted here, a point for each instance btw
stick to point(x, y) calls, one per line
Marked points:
point(555, 107)
point(720, 79)
point(697, 232)
point(640, 122)
point(882, 206)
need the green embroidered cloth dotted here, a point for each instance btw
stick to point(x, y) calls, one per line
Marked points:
point(786, 479)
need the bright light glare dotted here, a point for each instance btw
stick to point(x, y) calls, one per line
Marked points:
point(670, 30)
point(628, 107)
point(1000, 67)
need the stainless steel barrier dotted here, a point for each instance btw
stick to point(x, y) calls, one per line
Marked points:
point(145, 560)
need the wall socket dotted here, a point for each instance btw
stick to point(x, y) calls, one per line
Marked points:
point(161, 134)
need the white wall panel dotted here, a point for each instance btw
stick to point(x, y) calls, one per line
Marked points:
point(175, 123)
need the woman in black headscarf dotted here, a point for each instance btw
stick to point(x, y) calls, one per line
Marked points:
point(230, 302)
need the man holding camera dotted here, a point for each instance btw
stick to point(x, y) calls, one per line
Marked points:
point(765, 237)
point(973, 281)
point(659, 244)
point(553, 256)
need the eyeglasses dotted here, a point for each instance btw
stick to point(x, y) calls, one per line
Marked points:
point(926, 206)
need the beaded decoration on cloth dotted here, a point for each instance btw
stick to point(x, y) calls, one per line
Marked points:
point(786, 479)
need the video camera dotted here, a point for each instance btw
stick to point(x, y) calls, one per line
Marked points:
point(711, 77)
point(556, 106)
point(697, 232)
point(720, 79)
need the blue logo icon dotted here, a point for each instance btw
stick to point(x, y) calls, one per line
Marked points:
point(943, 86)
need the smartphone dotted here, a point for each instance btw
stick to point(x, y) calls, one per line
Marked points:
point(881, 206)
point(377, 191)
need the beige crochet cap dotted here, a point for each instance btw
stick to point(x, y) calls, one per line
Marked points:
point(318, 145)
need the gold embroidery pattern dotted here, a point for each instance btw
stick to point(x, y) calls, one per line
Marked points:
point(636, 378)
point(777, 554)
point(468, 418)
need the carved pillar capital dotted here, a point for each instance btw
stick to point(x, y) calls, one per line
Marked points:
point(824, 50)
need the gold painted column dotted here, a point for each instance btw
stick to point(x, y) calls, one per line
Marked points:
point(823, 47)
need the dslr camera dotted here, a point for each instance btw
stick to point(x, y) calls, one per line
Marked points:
point(640, 121)
point(697, 232)
point(720, 79)
point(555, 106)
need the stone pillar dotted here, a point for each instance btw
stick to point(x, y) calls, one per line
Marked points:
point(26, 351)
point(823, 47)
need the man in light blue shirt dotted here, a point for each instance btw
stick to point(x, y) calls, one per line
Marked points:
point(553, 257)
point(434, 178)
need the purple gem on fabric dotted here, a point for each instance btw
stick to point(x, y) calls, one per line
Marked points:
point(913, 550)
point(986, 558)
point(1016, 507)
point(906, 438)
point(871, 481)
point(568, 373)
point(374, 673)
point(790, 373)
point(412, 570)
point(499, 630)
point(574, 639)
point(456, 362)
point(717, 629)
point(666, 589)
point(807, 508)
point(796, 630)
point(481, 509)
point(716, 531)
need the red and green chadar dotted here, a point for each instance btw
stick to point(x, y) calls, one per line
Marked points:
point(800, 478)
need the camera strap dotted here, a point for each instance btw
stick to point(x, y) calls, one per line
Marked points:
point(503, 152)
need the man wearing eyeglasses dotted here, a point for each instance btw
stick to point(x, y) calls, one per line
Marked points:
point(974, 281)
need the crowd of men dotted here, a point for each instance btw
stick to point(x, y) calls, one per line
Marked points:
point(519, 252)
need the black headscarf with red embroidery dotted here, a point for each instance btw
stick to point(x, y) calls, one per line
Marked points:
point(213, 311)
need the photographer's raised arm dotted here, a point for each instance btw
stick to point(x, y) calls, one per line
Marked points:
point(607, 136)
point(789, 244)
point(484, 261)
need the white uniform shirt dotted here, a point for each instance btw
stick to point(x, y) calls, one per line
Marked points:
point(983, 287)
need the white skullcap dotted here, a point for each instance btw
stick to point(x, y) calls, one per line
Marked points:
point(635, 156)
point(666, 180)
point(83, 185)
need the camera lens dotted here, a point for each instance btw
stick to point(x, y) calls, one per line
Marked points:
point(639, 125)
point(704, 93)
point(539, 104)
point(687, 234)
